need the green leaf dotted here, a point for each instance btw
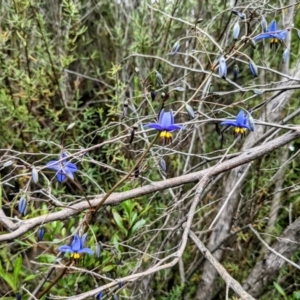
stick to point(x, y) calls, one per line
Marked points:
point(296, 295)
point(138, 225)
point(28, 278)
point(119, 221)
point(108, 268)
point(132, 219)
point(128, 206)
point(17, 268)
point(8, 278)
point(279, 289)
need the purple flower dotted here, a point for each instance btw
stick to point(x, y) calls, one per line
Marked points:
point(273, 34)
point(165, 124)
point(64, 169)
point(241, 123)
point(77, 247)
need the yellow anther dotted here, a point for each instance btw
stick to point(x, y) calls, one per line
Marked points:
point(75, 255)
point(166, 136)
point(239, 130)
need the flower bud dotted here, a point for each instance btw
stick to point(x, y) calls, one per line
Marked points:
point(236, 30)
point(125, 109)
point(190, 111)
point(253, 68)
point(22, 206)
point(8, 163)
point(251, 122)
point(163, 165)
point(98, 250)
point(263, 24)
point(236, 71)
point(99, 295)
point(18, 296)
point(153, 95)
point(34, 175)
point(285, 55)
point(222, 67)
point(40, 233)
point(175, 48)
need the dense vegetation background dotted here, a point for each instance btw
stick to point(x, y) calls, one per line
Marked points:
point(78, 77)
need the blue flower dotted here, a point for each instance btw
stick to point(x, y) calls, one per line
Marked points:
point(64, 169)
point(273, 34)
point(165, 124)
point(77, 247)
point(241, 123)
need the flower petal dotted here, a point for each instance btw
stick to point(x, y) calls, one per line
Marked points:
point(262, 36)
point(65, 248)
point(229, 123)
point(280, 34)
point(63, 155)
point(82, 240)
point(54, 165)
point(174, 127)
point(240, 119)
point(60, 176)
point(69, 173)
point(71, 167)
point(167, 120)
point(86, 250)
point(154, 126)
point(161, 115)
point(172, 116)
point(272, 26)
point(76, 243)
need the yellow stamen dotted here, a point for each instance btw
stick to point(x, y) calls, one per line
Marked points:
point(274, 43)
point(75, 255)
point(239, 130)
point(166, 136)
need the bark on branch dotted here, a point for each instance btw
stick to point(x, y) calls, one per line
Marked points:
point(22, 226)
